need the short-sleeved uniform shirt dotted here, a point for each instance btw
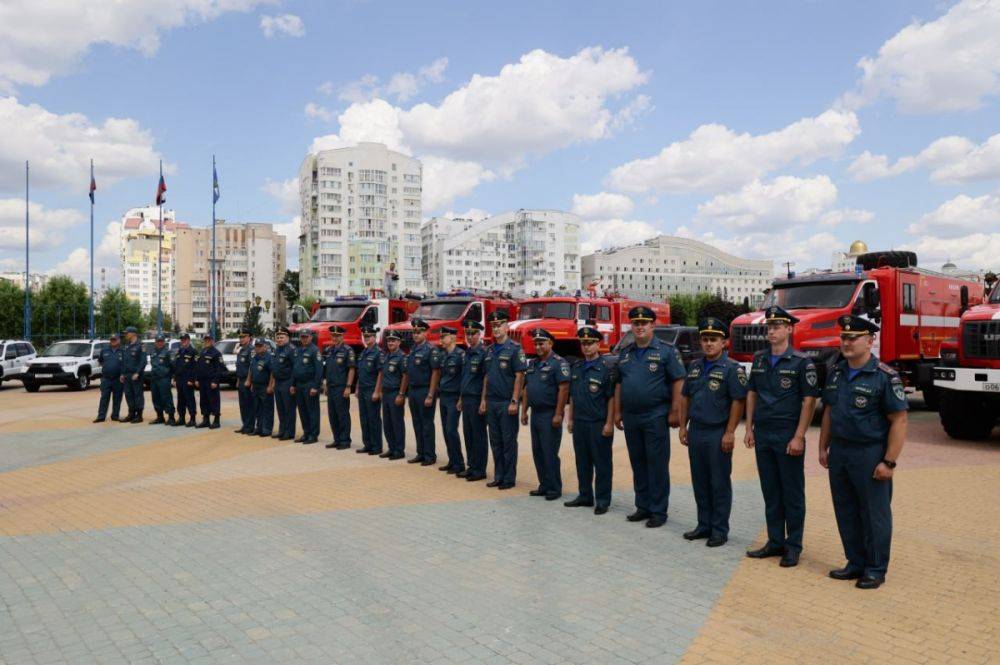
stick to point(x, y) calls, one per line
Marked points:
point(647, 376)
point(161, 363)
point(281, 362)
point(423, 360)
point(451, 370)
point(503, 362)
point(209, 365)
point(393, 368)
point(185, 362)
point(135, 359)
point(338, 360)
point(859, 405)
point(781, 387)
point(244, 353)
point(542, 380)
point(473, 370)
point(592, 384)
point(111, 362)
point(369, 365)
point(713, 386)
point(261, 367)
point(307, 367)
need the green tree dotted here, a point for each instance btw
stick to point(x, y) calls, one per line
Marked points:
point(289, 286)
point(11, 310)
point(721, 309)
point(149, 322)
point(115, 312)
point(59, 310)
point(684, 307)
point(251, 320)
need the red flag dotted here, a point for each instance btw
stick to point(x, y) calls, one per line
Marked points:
point(93, 188)
point(161, 191)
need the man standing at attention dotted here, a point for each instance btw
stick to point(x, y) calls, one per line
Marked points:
point(262, 389)
point(473, 422)
point(546, 390)
point(339, 366)
point(423, 373)
point(161, 369)
point(185, 363)
point(370, 393)
point(505, 365)
point(208, 375)
point(244, 351)
point(111, 380)
point(281, 384)
point(307, 379)
point(452, 362)
point(133, 367)
point(393, 401)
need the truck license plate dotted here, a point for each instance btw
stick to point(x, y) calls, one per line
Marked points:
point(991, 387)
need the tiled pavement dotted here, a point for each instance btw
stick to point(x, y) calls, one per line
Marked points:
point(146, 544)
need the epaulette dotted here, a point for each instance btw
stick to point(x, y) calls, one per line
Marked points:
point(887, 369)
point(762, 353)
point(800, 354)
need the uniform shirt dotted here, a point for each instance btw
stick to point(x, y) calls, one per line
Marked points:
point(369, 365)
point(210, 365)
point(712, 387)
point(243, 355)
point(859, 405)
point(161, 363)
point(647, 376)
point(281, 362)
point(423, 359)
point(185, 362)
point(134, 359)
point(542, 380)
point(503, 362)
point(591, 385)
point(452, 365)
point(260, 369)
point(307, 367)
point(472, 371)
point(393, 369)
point(111, 362)
point(781, 388)
point(337, 361)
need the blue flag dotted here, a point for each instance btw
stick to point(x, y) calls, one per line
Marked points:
point(215, 186)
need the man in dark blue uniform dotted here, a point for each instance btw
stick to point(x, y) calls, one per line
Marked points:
point(370, 393)
point(393, 402)
point(714, 396)
point(502, 386)
point(133, 367)
point(647, 403)
point(452, 362)
point(244, 351)
point(339, 366)
point(473, 422)
point(262, 389)
point(161, 370)
point(591, 421)
point(546, 390)
point(111, 360)
point(207, 377)
point(782, 395)
point(281, 383)
point(423, 373)
point(185, 363)
point(307, 380)
point(864, 426)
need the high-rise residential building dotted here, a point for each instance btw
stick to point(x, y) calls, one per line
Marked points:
point(140, 252)
point(36, 280)
point(668, 265)
point(360, 212)
point(251, 265)
point(522, 251)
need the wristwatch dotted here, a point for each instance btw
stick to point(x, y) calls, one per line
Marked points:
point(514, 401)
point(889, 463)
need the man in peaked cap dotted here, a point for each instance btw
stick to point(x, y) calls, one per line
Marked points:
point(185, 364)
point(282, 362)
point(262, 388)
point(864, 426)
point(423, 374)
point(369, 369)
point(505, 365)
point(339, 366)
point(111, 359)
point(244, 353)
point(161, 370)
point(393, 400)
point(452, 362)
point(546, 391)
point(207, 377)
point(473, 422)
point(133, 367)
point(307, 381)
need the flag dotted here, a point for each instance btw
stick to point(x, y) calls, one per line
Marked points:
point(161, 190)
point(93, 188)
point(215, 185)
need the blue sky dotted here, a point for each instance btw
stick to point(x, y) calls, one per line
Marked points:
point(750, 125)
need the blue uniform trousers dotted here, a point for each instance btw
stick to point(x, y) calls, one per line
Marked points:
point(263, 411)
point(503, 441)
point(647, 436)
point(711, 471)
point(246, 403)
point(545, 441)
point(338, 410)
point(111, 389)
point(284, 401)
point(449, 424)
point(862, 506)
point(593, 461)
point(370, 414)
point(423, 423)
point(474, 432)
point(134, 396)
point(308, 411)
point(783, 484)
point(392, 421)
point(211, 403)
point(185, 398)
point(163, 399)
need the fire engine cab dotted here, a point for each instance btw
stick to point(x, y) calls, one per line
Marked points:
point(918, 310)
point(452, 309)
point(352, 312)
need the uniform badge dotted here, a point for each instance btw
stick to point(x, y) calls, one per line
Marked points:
point(713, 385)
point(340, 361)
point(565, 370)
point(416, 361)
point(695, 372)
point(898, 390)
point(811, 377)
point(594, 387)
point(860, 401)
point(653, 367)
point(305, 360)
point(260, 367)
point(503, 364)
point(786, 382)
point(741, 375)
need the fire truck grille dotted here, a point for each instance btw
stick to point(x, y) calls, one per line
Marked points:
point(981, 339)
point(749, 338)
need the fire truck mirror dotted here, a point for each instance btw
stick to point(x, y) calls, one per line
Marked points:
point(370, 317)
point(871, 298)
point(299, 314)
point(964, 298)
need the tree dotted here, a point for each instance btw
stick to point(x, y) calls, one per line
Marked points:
point(289, 286)
point(59, 310)
point(11, 310)
point(721, 309)
point(684, 307)
point(116, 312)
point(251, 320)
point(150, 321)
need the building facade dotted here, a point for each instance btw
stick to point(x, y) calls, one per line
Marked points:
point(361, 211)
point(669, 265)
point(141, 272)
point(520, 252)
point(36, 280)
point(845, 261)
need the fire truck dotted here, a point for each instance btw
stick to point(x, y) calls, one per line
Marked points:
point(353, 311)
point(918, 310)
point(562, 314)
point(969, 378)
point(452, 309)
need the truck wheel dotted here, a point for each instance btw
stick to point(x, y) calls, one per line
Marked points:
point(965, 415)
point(932, 397)
point(82, 382)
point(31, 386)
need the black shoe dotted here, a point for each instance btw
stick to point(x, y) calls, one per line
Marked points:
point(128, 417)
point(286, 438)
point(385, 455)
point(301, 439)
point(655, 522)
point(428, 462)
point(177, 423)
point(242, 430)
point(600, 510)
point(845, 573)
point(415, 460)
point(265, 435)
point(452, 472)
point(215, 423)
point(553, 497)
point(766, 551)
point(695, 534)
point(639, 515)
point(577, 502)
point(464, 473)
point(116, 418)
point(374, 452)
point(137, 418)
point(493, 483)
point(716, 541)
point(309, 440)
point(790, 560)
point(446, 467)
point(869, 583)
point(158, 420)
point(332, 444)
point(191, 423)
point(538, 492)
point(276, 436)
point(363, 451)
point(203, 423)
point(474, 477)
point(98, 420)
point(396, 456)
point(343, 446)
point(171, 422)
point(505, 486)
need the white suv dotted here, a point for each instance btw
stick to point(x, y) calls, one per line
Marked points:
point(73, 363)
point(14, 357)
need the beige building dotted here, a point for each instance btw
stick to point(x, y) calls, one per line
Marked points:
point(251, 265)
point(140, 249)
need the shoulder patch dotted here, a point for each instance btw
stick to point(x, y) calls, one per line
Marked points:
point(741, 375)
point(761, 354)
point(799, 354)
point(887, 369)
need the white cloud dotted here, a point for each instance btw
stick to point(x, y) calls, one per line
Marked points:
point(714, 158)
point(783, 202)
point(291, 232)
point(603, 205)
point(60, 148)
point(949, 64)
point(977, 251)
point(288, 25)
point(846, 215)
point(951, 160)
point(402, 86)
point(807, 251)
point(613, 232)
point(960, 215)
point(325, 88)
point(444, 180)
point(41, 39)
point(317, 112)
point(76, 265)
point(471, 213)
point(286, 192)
point(48, 225)
point(377, 120)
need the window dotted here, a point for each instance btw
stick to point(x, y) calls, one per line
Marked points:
point(11, 352)
point(910, 298)
point(604, 313)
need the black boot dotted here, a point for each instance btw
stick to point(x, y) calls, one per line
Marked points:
point(215, 422)
point(138, 416)
point(180, 420)
point(128, 417)
point(192, 420)
point(171, 421)
point(158, 420)
point(203, 423)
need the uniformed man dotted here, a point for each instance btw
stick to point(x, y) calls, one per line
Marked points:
point(473, 422)
point(281, 383)
point(546, 390)
point(207, 376)
point(161, 370)
point(782, 395)
point(647, 404)
point(714, 396)
point(244, 351)
point(393, 401)
point(307, 380)
point(864, 426)
point(370, 393)
point(262, 388)
point(133, 367)
point(339, 367)
point(423, 373)
point(111, 360)
point(502, 386)
point(591, 421)
point(185, 364)
point(452, 362)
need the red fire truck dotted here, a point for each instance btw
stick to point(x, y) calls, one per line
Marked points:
point(352, 312)
point(562, 314)
point(969, 380)
point(452, 308)
point(918, 310)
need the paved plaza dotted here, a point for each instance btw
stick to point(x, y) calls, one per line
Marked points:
point(139, 544)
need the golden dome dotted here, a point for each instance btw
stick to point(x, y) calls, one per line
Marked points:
point(857, 247)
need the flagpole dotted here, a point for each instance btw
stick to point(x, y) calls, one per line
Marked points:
point(159, 263)
point(91, 251)
point(27, 254)
point(213, 277)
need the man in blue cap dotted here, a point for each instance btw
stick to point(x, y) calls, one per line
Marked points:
point(393, 401)
point(262, 389)
point(473, 422)
point(714, 396)
point(452, 362)
point(370, 392)
point(133, 367)
point(307, 380)
point(282, 361)
point(505, 364)
point(782, 395)
point(244, 351)
point(423, 374)
point(161, 370)
point(111, 359)
point(546, 391)
point(207, 377)
point(185, 364)
point(864, 426)
point(339, 365)
point(647, 403)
